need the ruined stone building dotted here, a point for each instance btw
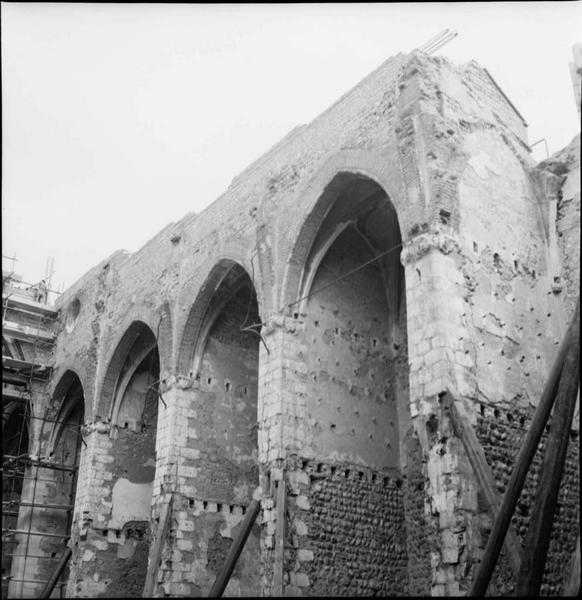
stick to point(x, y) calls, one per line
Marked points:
point(296, 343)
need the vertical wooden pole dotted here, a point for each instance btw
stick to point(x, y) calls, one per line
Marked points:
point(539, 532)
point(572, 585)
point(522, 463)
point(278, 574)
point(156, 552)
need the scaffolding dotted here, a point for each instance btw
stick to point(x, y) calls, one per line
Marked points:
point(27, 339)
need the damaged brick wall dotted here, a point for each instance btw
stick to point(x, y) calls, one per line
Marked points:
point(501, 431)
point(356, 527)
point(423, 146)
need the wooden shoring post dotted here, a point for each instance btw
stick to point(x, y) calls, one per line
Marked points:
point(235, 549)
point(484, 476)
point(572, 585)
point(280, 532)
point(156, 552)
point(50, 584)
point(522, 463)
point(537, 541)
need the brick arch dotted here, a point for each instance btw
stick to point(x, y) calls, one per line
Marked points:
point(137, 331)
point(318, 196)
point(197, 322)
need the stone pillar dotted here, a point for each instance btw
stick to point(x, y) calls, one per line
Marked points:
point(175, 475)
point(282, 434)
point(281, 403)
point(172, 452)
point(93, 506)
point(440, 361)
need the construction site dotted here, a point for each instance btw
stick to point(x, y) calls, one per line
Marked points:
point(355, 373)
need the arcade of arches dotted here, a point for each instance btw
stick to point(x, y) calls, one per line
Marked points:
point(295, 344)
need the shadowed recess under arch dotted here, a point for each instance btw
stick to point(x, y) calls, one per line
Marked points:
point(220, 351)
point(69, 397)
point(225, 279)
point(346, 282)
point(137, 340)
point(349, 201)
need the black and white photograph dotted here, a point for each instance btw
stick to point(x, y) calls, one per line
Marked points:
point(290, 299)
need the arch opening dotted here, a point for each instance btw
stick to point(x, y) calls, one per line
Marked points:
point(125, 464)
point(222, 434)
point(351, 297)
point(353, 301)
point(15, 440)
point(49, 491)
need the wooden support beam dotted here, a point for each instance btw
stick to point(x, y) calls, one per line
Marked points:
point(67, 507)
point(156, 551)
point(522, 463)
point(15, 379)
point(12, 395)
point(537, 540)
point(64, 536)
point(50, 585)
point(28, 305)
point(25, 366)
point(41, 464)
point(572, 585)
point(484, 475)
point(278, 567)
point(235, 549)
point(26, 333)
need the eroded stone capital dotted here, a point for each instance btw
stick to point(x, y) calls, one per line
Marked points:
point(98, 426)
point(422, 244)
point(178, 382)
point(278, 322)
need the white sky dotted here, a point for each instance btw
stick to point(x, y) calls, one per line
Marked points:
point(119, 118)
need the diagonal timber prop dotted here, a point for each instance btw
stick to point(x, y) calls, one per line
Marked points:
point(523, 461)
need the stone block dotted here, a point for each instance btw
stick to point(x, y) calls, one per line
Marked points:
point(304, 555)
point(302, 502)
